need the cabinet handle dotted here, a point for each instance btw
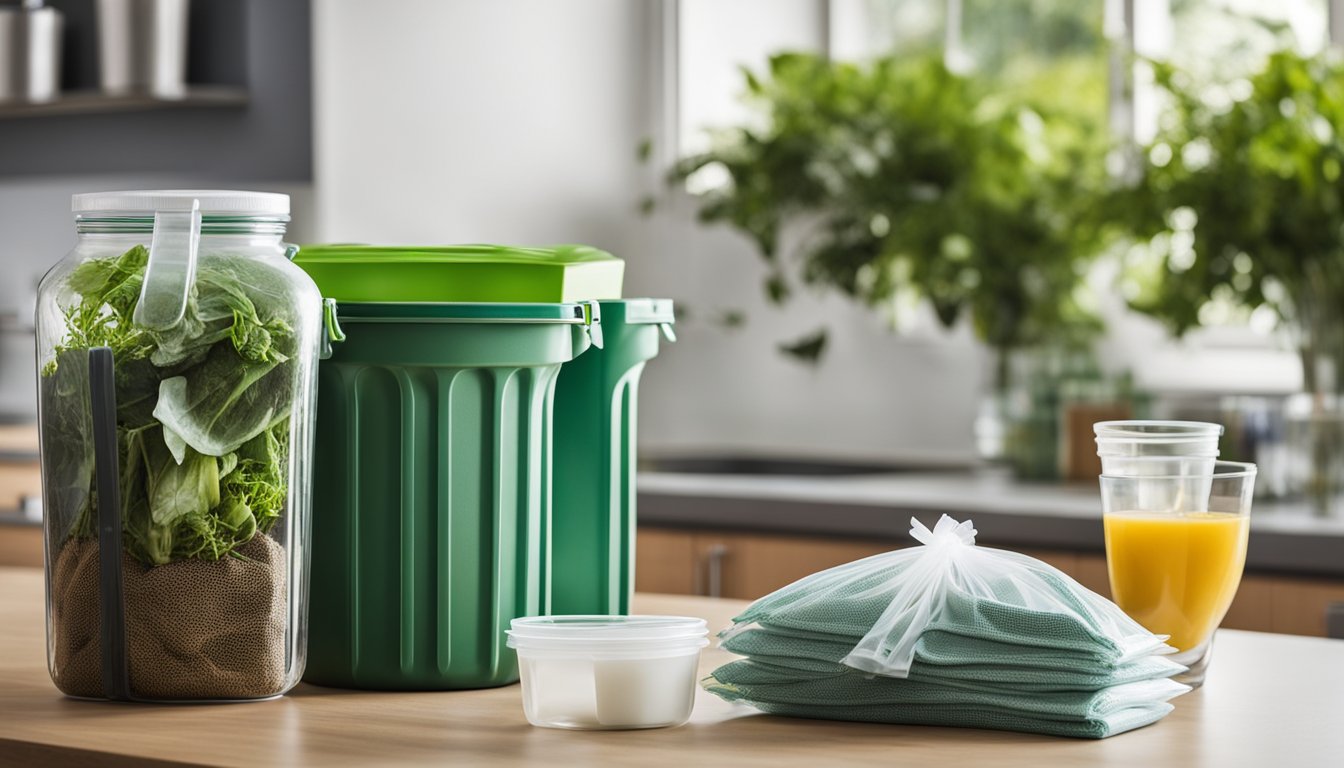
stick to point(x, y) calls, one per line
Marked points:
point(714, 569)
point(1334, 620)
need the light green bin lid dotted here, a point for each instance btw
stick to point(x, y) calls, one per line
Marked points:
point(462, 273)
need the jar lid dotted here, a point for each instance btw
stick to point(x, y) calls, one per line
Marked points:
point(213, 202)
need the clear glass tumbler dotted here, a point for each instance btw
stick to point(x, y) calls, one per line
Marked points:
point(1175, 556)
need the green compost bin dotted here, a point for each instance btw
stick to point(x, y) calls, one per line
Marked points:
point(432, 468)
point(593, 508)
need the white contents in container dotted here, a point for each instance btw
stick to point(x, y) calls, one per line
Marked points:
point(608, 672)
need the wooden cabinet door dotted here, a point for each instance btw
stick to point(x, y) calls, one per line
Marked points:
point(664, 561)
point(738, 565)
point(748, 566)
point(1301, 607)
point(21, 545)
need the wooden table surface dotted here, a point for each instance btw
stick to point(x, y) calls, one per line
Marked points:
point(1271, 701)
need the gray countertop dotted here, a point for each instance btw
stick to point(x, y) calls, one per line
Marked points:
point(1285, 537)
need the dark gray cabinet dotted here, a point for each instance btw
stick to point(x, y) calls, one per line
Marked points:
point(250, 118)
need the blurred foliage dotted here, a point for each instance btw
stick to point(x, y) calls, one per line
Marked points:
point(908, 176)
point(1239, 200)
point(809, 348)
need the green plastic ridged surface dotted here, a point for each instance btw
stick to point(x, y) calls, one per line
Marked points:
point(431, 492)
point(593, 508)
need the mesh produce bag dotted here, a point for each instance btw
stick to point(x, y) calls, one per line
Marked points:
point(980, 667)
point(949, 634)
point(195, 629)
point(965, 595)
point(850, 695)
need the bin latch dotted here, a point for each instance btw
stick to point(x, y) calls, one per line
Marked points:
point(592, 318)
point(331, 328)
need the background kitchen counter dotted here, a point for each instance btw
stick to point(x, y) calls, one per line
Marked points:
point(745, 536)
point(1285, 537)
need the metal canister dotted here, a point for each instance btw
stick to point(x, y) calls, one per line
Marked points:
point(142, 47)
point(30, 52)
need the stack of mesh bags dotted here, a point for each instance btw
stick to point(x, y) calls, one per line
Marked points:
point(949, 634)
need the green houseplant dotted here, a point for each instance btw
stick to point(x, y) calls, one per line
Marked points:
point(901, 175)
point(1239, 201)
point(909, 175)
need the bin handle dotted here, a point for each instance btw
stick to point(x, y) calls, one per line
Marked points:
point(331, 328)
point(171, 270)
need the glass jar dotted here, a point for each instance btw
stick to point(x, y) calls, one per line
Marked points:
point(176, 352)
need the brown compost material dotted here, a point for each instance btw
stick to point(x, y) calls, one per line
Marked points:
point(195, 629)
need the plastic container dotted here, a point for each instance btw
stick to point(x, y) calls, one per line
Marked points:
point(1157, 438)
point(177, 346)
point(433, 489)
point(608, 672)
point(593, 511)
point(1158, 449)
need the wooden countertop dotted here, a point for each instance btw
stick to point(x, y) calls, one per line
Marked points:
point(1271, 700)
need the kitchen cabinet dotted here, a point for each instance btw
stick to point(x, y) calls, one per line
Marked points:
point(740, 565)
point(747, 565)
point(20, 483)
point(21, 545)
point(20, 490)
point(663, 562)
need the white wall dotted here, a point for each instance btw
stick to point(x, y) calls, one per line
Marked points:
point(510, 121)
point(516, 121)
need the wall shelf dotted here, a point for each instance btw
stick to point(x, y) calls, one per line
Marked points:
point(246, 115)
point(97, 103)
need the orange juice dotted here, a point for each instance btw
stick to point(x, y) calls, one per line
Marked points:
point(1176, 574)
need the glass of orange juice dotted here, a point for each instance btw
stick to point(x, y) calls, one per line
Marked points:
point(1175, 549)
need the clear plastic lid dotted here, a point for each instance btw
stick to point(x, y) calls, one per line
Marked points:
point(210, 202)
point(1150, 431)
point(607, 632)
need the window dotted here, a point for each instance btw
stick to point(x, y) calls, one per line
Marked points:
point(716, 39)
point(1220, 40)
point(1070, 54)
